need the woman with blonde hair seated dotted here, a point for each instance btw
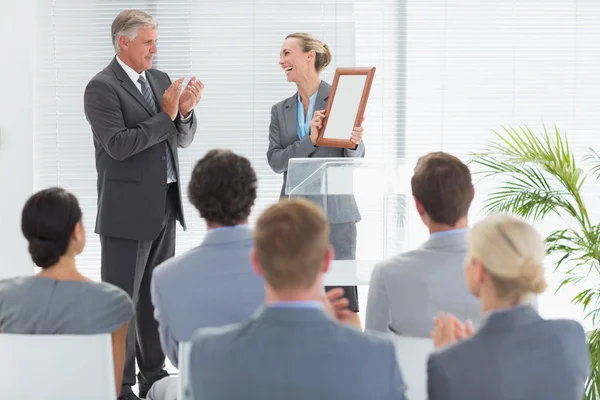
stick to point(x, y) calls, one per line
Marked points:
point(515, 354)
point(59, 299)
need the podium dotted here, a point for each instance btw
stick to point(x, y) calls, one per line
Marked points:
point(374, 194)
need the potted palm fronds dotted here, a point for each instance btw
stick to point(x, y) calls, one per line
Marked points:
point(539, 177)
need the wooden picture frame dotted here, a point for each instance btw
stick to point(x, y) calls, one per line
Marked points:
point(353, 86)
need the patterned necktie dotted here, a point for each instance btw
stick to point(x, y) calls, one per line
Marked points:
point(147, 92)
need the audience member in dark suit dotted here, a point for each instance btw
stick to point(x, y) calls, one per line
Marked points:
point(212, 284)
point(515, 354)
point(407, 291)
point(138, 119)
point(59, 299)
point(293, 348)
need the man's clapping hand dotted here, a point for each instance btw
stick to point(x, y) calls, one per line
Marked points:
point(191, 96)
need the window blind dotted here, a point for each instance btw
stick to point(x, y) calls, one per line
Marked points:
point(233, 47)
point(474, 66)
point(448, 73)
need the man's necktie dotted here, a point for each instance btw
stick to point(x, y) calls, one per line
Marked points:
point(147, 92)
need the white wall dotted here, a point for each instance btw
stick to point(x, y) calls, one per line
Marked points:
point(17, 43)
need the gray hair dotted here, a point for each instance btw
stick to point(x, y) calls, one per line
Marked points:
point(127, 24)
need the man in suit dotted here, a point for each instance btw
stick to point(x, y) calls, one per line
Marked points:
point(293, 348)
point(195, 289)
point(407, 291)
point(138, 119)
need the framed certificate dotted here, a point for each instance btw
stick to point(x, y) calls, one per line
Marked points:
point(346, 106)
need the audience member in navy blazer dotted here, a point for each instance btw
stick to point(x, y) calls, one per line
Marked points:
point(515, 354)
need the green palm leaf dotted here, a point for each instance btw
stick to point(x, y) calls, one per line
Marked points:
point(594, 157)
point(538, 176)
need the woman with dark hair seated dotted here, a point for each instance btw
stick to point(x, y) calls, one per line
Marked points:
point(59, 299)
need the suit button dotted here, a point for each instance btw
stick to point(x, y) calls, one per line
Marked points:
point(163, 183)
point(163, 158)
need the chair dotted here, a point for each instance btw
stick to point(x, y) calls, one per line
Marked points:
point(412, 354)
point(183, 392)
point(56, 367)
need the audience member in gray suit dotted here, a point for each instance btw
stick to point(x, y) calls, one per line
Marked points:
point(59, 299)
point(292, 348)
point(515, 354)
point(293, 131)
point(212, 284)
point(406, 292)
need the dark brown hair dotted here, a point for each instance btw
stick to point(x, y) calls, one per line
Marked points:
point(442, 184)
point(223, 187)
point(47, 222)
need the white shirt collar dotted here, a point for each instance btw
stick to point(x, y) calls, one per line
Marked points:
point(134, 76)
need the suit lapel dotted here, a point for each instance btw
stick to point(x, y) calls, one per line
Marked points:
point(290, 115)
point(155, 89)
point(322, 96)
point(290, 112)
point(158, 92)
point(128, 85)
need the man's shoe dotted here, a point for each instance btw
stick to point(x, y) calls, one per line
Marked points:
point(144, 389)
point(128, 396)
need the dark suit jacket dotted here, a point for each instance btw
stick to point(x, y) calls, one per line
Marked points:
point(131, 153)
point(515, 355)
point(285, 145)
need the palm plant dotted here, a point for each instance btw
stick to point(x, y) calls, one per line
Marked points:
point(540, 177)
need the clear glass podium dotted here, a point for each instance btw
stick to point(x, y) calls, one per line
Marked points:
point(374, 194)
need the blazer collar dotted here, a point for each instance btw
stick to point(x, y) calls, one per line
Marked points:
point(240, 233)
point(290, 315)
point(509, 319)
point(291, 106)
point(456, 240)
point(130, 87)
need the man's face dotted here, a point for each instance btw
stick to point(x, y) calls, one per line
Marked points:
point(140, 51)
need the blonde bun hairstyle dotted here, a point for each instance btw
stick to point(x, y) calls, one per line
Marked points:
point(512, 253)
point(310, 42)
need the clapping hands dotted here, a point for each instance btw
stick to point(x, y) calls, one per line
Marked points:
point(448, 330)
point(190, 97)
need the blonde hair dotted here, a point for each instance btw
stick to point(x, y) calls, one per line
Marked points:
point(310, 42)
point(127, 24)
point(291, 240)
point(512, 253)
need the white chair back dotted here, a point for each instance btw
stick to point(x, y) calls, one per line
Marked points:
point(183, 359)
point(56, 367)
point(412, 354)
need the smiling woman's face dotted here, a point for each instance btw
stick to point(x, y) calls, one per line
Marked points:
point(294, 62)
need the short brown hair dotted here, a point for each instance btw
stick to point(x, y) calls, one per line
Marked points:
point(291, 241)
point(442, 184)
point(223, 187)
